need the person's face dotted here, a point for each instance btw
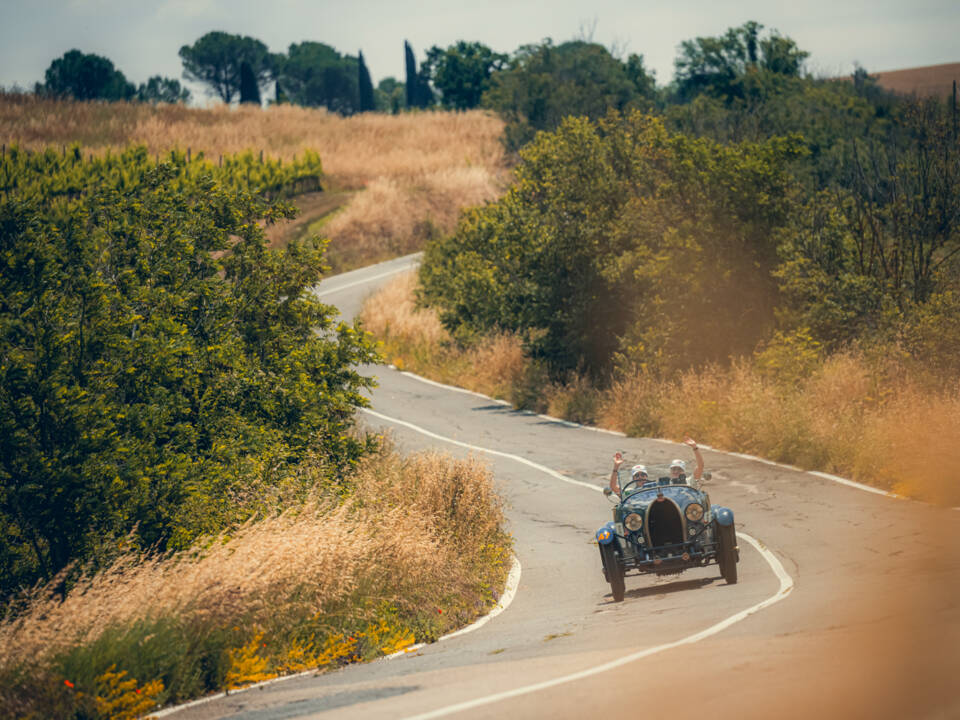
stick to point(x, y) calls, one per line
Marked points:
point(674, 471)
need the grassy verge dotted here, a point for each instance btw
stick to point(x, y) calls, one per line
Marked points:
point(869, 418)
point(413, 172)
point(414, 550)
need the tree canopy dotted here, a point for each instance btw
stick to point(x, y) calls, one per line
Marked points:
point(85, 76)
point(619, 237)
point(216, 58)
point(162, 89)
point(461, 72)
point(545, 83)
point(725, 66)
point(314, 74)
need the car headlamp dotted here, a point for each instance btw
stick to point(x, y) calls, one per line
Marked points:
point(694, 512)
point(633, 521)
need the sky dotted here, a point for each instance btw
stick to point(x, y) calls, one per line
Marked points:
point(142, 38)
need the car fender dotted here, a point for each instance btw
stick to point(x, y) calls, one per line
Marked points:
point(606, 534)
point(723, 516)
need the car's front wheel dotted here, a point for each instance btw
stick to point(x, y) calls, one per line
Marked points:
point(727, 553)
point(613, 572)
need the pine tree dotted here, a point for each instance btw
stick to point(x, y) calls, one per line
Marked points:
point(367, 103)
point(249, 90)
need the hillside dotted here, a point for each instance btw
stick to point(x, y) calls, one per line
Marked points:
point(408, 176)
point(923, 81)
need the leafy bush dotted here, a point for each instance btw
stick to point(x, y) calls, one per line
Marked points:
point(621, 238)
point(157, 359)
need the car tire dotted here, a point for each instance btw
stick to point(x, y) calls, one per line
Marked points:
point(614, 572)
point(727, 553)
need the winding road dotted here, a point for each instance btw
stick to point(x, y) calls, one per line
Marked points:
point(848, 604)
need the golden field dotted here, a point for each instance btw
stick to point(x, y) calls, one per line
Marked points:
point(408, 176)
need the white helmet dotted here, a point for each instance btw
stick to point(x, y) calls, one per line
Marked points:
point(679, 464)
point(638, 470)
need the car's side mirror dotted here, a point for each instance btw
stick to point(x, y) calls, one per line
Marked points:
point(607, 491)
point(707, 476)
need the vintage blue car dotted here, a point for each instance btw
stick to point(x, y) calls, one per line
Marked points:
point(665, 526)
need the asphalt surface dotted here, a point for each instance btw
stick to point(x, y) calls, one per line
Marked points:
point(870, 629)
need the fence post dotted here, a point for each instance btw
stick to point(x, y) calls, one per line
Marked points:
point(188, 156)
point(261, 157)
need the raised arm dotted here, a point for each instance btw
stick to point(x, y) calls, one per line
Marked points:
point(614, 476)
point(698, 471)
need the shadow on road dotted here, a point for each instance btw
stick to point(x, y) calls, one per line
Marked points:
point(673, 587)
point(300, 708)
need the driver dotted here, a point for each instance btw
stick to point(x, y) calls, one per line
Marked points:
point(637, 472)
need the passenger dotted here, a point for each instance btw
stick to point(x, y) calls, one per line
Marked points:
point(637, 472)
point(679, 467)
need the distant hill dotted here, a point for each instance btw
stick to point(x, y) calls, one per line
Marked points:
point(929, 80)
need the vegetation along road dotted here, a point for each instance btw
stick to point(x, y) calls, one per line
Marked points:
point(846, 604)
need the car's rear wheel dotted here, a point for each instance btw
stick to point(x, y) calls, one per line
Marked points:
point(614, 572)
point(727, 553)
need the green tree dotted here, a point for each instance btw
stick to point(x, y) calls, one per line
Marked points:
point(419, 94)
point(618, 237)
point(159, 361)
point(160, 89)
point(461, 72)
point(861, 258)
point(643, 80)
point(546, 83)
point(85, 76)
point(249, 92)
point(725, 66)
point(391, 95)
point(366, 99)
point(215, 60)
point(316, 75)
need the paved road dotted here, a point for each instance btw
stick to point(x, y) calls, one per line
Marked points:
point(871, 627)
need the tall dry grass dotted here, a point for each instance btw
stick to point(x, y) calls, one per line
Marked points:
point(858, 416)
point(414, 339)
point(415, 171)
point(420, 535)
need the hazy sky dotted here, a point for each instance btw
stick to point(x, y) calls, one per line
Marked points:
point(142, 38)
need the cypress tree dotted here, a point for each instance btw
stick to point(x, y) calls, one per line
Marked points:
point(279, 95)
point(412, 77)
point(367, 102)
point(249, 91)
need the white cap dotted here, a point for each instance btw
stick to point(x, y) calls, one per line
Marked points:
point(680, 464)
point(637, 469)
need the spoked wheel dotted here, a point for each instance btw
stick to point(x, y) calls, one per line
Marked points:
point(613, 571)
point(727, 555)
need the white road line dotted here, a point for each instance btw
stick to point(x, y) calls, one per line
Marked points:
point(388, 273)
point(786, 586)
point(488, 451)
point(754, 458)
point(509, 592)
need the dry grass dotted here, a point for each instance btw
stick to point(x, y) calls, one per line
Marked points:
point(414, 339)
point(421, 532)
point(416, 170)
point(854, 415)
